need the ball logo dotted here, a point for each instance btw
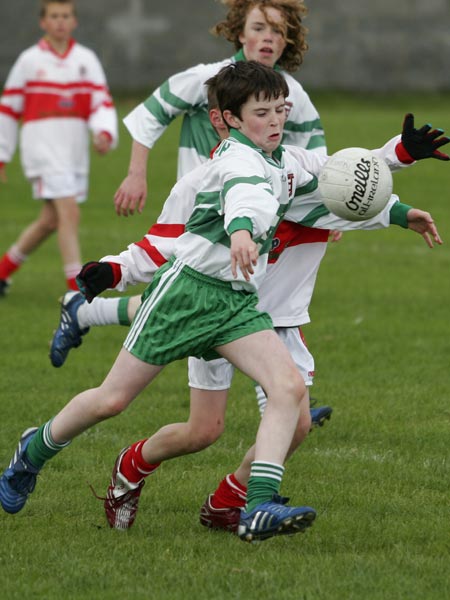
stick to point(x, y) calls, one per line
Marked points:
point(362, 180)
point(355, 184)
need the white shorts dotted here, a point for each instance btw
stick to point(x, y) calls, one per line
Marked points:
point(51, 187)
point(218, 374)
point(214, 374)
point(296, 344)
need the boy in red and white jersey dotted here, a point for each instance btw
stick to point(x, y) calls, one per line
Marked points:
point(57, 89)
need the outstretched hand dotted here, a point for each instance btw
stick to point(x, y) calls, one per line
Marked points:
point(422, 222)
point(424, 142)
point(335, 236)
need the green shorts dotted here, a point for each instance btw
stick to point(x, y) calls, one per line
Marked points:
point(185, 313)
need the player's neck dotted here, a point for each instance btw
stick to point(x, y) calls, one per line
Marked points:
point(59, 46)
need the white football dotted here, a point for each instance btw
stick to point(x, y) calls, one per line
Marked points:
point(355, 184)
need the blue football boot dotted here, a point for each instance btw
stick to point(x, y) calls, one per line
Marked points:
point(18, 480)
point(69, 334)
point(319, 415)
point(274, 518)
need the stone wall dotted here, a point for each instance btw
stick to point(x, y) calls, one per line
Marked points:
point(383, 45)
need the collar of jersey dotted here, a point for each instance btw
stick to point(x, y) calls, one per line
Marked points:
point(239, 56)
point(277, 155)
point(44, 44)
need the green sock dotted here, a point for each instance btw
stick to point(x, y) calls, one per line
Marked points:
point(122, 311)
point(42, 447)
point(264, 482)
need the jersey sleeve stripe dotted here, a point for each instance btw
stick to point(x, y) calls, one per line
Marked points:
point(152, 252)
point(155, 108)
point(6, 110)
point(305, 127)
point(316, 141)
point(172, 99)
point(311, 218)
point(171, 230)
point(308, 188)
point(243, 180)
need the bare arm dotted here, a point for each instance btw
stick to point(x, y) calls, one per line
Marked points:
point(132, 192)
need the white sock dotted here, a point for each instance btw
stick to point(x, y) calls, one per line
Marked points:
point(261, 398)
point(16, 256)
point(101, 311)
point(71, 270)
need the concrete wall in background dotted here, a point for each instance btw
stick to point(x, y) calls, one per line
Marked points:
point(380, 45)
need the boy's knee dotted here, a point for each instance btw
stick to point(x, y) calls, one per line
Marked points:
point(295, 385)
point(111, 407)
point(48, 224)
point(202, 437)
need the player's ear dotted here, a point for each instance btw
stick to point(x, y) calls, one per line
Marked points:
point(215, 117)
point(231, 120)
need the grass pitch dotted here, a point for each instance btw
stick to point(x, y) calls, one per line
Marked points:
point(377, 473)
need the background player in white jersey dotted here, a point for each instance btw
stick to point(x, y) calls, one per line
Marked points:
point(59, 91)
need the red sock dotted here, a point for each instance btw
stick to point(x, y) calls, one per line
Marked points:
point(230, 493)
point(133, 466)
point(8, 266)
point(72, 284)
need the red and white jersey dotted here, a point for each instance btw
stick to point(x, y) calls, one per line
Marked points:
point(58, 99)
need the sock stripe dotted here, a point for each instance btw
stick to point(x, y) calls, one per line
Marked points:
point(264, 482)
point(267, 476)
point(48, 440)
point(122, 311)
point(239, 490)
point(255, 469)
point(16, 256)
point(270, 470)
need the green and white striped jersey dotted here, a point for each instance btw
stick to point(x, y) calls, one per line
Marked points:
point(242, 188)
point(186, 94)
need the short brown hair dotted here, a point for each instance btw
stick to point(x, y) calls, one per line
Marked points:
point(235, 83)
point(293, 10)
point(45, 3)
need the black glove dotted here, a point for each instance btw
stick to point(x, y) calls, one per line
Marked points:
point(423, 142)
point(94, 278)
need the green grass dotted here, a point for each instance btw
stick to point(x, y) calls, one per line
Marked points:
point(377, 473)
